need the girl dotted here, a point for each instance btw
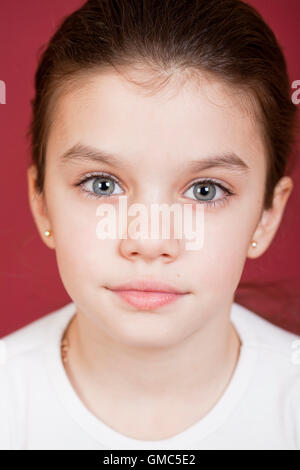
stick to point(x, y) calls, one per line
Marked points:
point(161, 102)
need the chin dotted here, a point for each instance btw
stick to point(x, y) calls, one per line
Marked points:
point(145, 335)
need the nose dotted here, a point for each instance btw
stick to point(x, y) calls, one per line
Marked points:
point(150, 249)
point(152, 235)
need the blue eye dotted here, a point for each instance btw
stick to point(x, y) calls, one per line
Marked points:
point(99, 185)
point(205, 191)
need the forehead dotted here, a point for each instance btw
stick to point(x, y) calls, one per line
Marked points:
point(184, 118)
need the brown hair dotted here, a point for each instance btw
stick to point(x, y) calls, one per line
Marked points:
point(227, 39)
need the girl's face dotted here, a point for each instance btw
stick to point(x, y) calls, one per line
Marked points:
point(155, 139)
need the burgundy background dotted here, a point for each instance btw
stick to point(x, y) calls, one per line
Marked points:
point(30, 285)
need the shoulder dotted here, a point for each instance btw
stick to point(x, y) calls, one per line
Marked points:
point(22, 370)
point(277, 351)
point(276, 376)
point(28, 339)
point(268, 337)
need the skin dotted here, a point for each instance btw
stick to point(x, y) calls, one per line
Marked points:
point(150, 375)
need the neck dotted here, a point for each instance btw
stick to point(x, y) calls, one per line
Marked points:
point(201, 364)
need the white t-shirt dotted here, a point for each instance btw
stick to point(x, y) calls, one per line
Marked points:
point(260, 408)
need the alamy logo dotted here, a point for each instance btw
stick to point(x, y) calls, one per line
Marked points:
point(114, 222)
point(296, 94)
point(295, 356)
point(2, 92)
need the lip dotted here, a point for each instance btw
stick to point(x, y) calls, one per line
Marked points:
point(148, 286)
point(148, 295)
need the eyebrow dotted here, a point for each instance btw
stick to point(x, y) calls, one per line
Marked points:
point(86, 153)
point(230, 161)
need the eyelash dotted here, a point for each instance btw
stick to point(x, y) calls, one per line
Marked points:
point(212, 203)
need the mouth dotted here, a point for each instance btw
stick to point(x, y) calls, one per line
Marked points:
point(148, 295)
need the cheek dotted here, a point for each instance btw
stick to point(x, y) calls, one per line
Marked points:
point(219, 263)
point(82, 258)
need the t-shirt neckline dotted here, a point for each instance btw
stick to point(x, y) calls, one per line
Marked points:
point(109, 438)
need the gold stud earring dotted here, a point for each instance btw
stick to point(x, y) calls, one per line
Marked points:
point(48, 233)
point(254, 244)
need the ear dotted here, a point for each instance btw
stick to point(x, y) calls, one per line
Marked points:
point(38, 207)
point(271, 218)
